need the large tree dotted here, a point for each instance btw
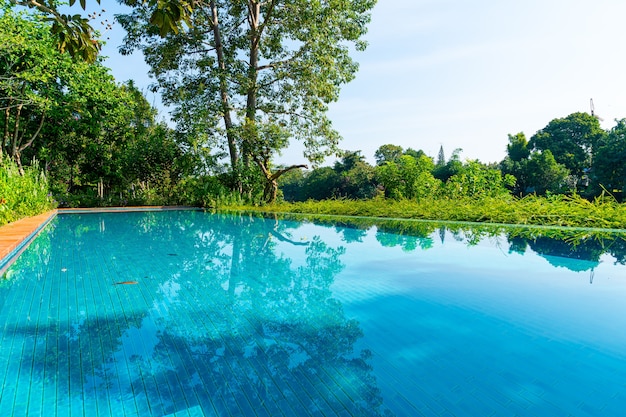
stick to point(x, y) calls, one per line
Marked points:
point(29, 68)
point(409, 177)
point(545, 174)
point(609, 169)
point(247, 76)
point(388, 153)
point(571, 140)
point(516, 162)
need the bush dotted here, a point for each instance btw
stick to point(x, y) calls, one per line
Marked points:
point(22, 195)
point(205, 191)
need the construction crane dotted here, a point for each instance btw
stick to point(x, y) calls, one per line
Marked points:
point(593, 111)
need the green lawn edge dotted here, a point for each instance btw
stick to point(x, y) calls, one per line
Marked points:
point(560, 211)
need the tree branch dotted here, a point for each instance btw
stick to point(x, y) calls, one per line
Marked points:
point(280, 172)
point(32, 139)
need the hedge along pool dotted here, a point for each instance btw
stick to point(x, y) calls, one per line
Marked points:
point(197, 314)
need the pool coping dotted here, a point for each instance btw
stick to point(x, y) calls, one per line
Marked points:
point(16, 236)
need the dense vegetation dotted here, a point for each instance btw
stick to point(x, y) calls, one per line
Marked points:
point(22, 194)
point(98, 142)
point(531, 210)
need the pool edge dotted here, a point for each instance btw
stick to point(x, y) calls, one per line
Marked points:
point(19, 241)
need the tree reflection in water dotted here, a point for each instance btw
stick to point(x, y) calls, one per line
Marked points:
point(262, 337)
point(231, 316)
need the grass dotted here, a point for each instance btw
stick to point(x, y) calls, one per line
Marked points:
point(570, 211)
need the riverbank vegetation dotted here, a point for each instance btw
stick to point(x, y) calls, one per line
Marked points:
point(72, 133)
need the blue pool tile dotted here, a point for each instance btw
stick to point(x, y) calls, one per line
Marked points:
point(190, 336)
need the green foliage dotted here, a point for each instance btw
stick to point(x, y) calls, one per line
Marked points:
point(292, 185)
point(475, 180)
point(22, 195)
point(355, 177)
point(73, 32)
point(545, 175)
point(351, 178)
point(571, 140)
point(609, 169)
point(249, 76)
point(321, 184)
point(205, 191)
point(535, 171)
point(29, 65)
point(409, 178)
point(98, 141)
point(517, 148)
point(388, 153)
point(443, 171)
point(558, 210)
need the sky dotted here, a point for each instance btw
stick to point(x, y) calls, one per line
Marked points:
point(463, 74)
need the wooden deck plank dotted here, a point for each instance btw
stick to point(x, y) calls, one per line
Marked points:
point(13, 234)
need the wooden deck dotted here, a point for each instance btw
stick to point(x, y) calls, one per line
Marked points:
point(13, 234)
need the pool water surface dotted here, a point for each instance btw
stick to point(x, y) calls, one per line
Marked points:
point(187, 313)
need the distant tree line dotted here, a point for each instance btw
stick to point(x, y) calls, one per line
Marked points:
point(570, 155)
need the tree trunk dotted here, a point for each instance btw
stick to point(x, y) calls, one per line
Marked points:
point(271, 180)
point(254, 13)
point(34, 136)
point(5, 134)
point(228, 122)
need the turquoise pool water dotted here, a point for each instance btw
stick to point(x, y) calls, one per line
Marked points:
point(247, 316)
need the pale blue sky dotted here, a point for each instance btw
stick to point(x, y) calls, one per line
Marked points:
point(465, 74)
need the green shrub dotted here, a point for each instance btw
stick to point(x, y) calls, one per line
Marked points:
point(559, 210)
point(22, 195)
point(205, 191)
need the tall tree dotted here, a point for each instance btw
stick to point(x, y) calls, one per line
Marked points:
point(571, 140)
point(29, 67)
point(609, 170)
point(517, 149)
point(250, 75)
point(409, 178)
point(545, 174)
point(516, 162)
point(444, 170)
point(355, 177)
point(441, 157)
point(388, 153)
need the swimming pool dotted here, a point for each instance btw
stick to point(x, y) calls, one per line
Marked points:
point(197, 314)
